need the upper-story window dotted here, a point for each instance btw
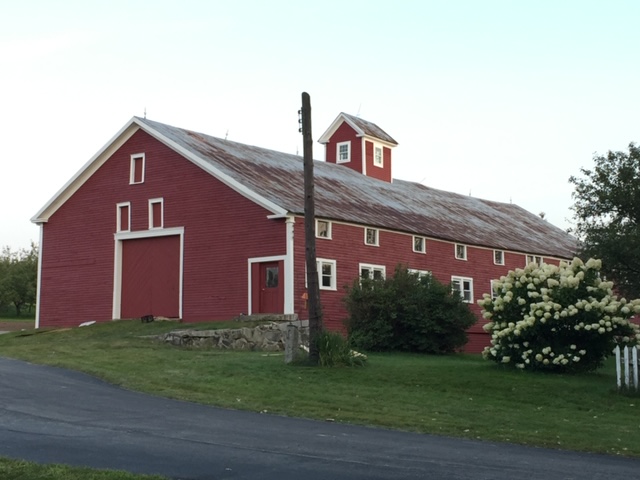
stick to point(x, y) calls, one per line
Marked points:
point(326, 274)
point(461, 251)
point(323, 229)
point(377, 156)
point(123, 222)
point(371, 236)
point(534, 259)
point(136, 174)
point(419, 245)
point(343, 152)
point(156, 213)
point(498, 257)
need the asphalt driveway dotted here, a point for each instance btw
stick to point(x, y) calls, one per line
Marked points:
point(52, 415)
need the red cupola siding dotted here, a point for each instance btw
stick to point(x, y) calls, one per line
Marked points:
point(169, 222)
point(360, 145)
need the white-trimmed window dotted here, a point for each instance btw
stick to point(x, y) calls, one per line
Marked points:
point(343, 152)
point(375, 272)
point(460, 251)
point(464, 287)
point(498, 257)
point(419, 244)
point(323, 229)
point(326, 274)
point(371, 236)
point(534, 259)
point(123, 221)
point(136, 174)
point(156, 213)
point(419, 273)
point(494, 293)
point(378, 158)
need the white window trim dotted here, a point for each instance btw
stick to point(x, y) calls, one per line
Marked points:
point(329, 229)
point(119, 206)
point(461, 280)
point(420, 273)
point(132, 168)
point(338, 145)
point(424, 244)
point(377, 242)
point(494, 257)
point(537, 259)
point(371, 267)
point(455, 251)
point(494, 294)
point(334, 274)
point(375, 164)
point(153, 201)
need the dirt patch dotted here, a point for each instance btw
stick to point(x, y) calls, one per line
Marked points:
point(14, 326)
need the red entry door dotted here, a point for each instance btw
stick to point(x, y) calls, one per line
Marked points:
point(271, 288)
point(151, 277)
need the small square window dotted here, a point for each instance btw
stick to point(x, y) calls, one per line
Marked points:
point(323, 229)
point(343, 152)
point(498, 257)
point(464, 287)
point(377, 156)
point(371, 236)
point(137, 169)
point(461, 251)
point(123, 223)
point(419, 245)
point(156, 213)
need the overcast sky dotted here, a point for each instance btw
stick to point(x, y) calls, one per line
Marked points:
point(502, 100)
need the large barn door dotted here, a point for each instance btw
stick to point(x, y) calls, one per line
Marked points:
point(151, 277)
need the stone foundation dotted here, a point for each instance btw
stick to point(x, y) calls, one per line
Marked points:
point(269, 337)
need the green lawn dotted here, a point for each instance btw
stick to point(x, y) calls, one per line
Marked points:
point(459, 395)
point(20, 470)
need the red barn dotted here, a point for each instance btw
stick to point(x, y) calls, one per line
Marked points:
point(169, 222)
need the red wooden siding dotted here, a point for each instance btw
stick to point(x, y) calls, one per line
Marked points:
point(374, 171)
point(222, 231)
point(345, 133)
point(151, 277)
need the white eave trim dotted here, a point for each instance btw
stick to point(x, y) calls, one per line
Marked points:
point(326, 136)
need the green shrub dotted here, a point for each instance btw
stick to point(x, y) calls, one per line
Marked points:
point(335, 351)
point(406, 312)
point(557, 318)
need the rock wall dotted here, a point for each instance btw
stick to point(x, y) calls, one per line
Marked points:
point(269, 337)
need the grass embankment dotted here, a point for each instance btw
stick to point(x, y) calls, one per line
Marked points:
point(20, 470)
point(459, 395)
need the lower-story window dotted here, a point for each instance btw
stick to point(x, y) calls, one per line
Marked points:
point(327, 274)
point(372, 271)
point(464, 287)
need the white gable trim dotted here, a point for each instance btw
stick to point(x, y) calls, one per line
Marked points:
point(89, 168)
point(340, 119)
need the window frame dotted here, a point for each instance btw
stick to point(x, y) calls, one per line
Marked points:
point(377, 236)
point(461, 292)
point(420, 273)
point(424, 244)
point(537, 259)
point(119, 207)
point(495, 260)
point(380, 164)
point(372, 269)
point(494, 294)
point(132, 168)
point(464, 251)
point(329, 229)
point(338, 157)
point(152, 202)
point(334, 273)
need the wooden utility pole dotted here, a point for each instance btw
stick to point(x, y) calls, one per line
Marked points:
point(315, 309)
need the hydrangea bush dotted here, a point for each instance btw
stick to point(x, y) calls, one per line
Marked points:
point(561, 318)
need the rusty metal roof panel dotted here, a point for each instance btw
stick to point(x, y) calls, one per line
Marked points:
point(369, 129)
point(345, 195)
